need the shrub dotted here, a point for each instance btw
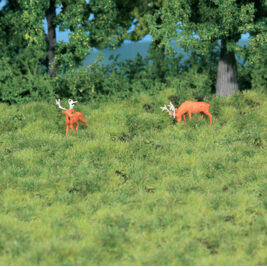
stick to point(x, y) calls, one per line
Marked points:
point(25, 88)
point(191, 85)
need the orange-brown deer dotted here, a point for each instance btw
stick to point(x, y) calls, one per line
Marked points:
point(188, 107)
point(72, 117)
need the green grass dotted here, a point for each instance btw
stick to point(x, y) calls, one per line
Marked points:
point(134, 188)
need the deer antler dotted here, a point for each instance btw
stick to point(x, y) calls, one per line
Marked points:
point(166, 109)
point(172, 108)
point(71, 103)
point(58, 104)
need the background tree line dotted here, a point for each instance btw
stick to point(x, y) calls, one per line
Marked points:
point(33, 65)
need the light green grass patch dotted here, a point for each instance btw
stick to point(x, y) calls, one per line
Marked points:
point(134, 187)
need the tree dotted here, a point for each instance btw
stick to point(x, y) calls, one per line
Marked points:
point(22, 43)
point(90, 23)
point(50, 14)
point(256, 60)
point(203, 24)
point(142, 28)
point(131, 17)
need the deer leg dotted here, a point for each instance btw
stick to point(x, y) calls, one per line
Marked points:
point(77, 127)
point(184, 117)
point(71, 126)
point(189, 114)
point(67, 129)
point(83, 121)
point(210, 116)
point(202, 115)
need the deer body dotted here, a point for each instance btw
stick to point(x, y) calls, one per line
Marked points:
point(72, 117)
point(188, 107)
point(193, 107)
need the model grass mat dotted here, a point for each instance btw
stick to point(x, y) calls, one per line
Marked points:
point(134, 187)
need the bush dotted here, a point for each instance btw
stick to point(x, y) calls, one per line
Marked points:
point(118, 79)
point(191, 85)
point(23, 80)
point(85, 84)
point(25, 88)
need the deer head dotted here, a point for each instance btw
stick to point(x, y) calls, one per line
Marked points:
point(68, 111)
point(171, 109)
point(71, 104)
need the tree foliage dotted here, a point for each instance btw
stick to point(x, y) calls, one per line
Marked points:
point(90, 24)
point(200, 24)
point(207, 29)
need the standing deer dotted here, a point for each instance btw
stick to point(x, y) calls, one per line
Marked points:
point(188, 107)
point(72, 117)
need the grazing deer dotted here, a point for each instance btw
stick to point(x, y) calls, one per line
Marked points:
point(188, 107)
point(72, 117)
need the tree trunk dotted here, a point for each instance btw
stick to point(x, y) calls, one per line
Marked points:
point(227, 83)
point(158, 54)
point(50, 18)
point(158, 57)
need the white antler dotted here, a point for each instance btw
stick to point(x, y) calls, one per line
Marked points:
point(172, 108)
point(71, 103)
point(58, 104)
point(166, 109)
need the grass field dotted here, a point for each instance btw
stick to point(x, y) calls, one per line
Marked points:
point(134, 188)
